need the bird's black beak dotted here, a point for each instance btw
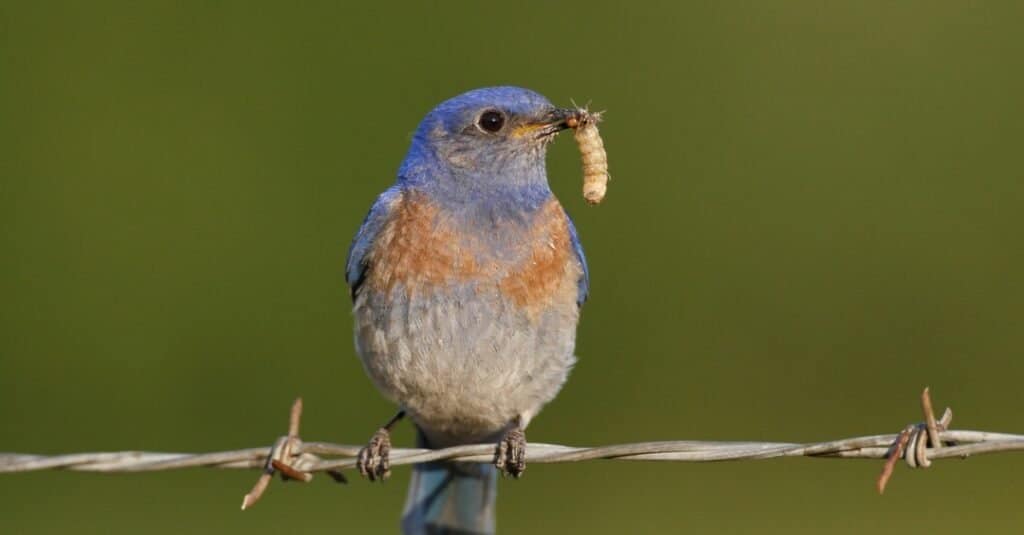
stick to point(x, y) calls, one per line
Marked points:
point(554, 121)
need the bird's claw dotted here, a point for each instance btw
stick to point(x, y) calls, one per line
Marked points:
point(510, 457)
point(373, 461)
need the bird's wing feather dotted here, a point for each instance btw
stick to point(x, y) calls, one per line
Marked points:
point(355, 266)
point(584, 283)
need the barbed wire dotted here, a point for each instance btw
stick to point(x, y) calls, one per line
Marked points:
point(292, 458)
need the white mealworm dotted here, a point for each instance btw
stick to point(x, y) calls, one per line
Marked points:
point(595, 159)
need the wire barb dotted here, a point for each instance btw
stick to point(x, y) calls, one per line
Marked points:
point(286, 458)
point(913, 442)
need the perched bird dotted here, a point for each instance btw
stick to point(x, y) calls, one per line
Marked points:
point(467, 279)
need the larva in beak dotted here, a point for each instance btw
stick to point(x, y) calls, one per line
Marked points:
point(593, 155)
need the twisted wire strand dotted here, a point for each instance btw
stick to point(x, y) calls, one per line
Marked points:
point(307, 456)
point(292, 458)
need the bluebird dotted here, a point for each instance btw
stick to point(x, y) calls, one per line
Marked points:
point(467, 278)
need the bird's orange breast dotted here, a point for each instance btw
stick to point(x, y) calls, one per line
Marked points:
point(422, 247)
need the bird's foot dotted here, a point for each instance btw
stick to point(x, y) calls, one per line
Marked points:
point(373, 462)
point(510, 457)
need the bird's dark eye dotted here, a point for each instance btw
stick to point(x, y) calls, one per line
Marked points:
point(491, 121)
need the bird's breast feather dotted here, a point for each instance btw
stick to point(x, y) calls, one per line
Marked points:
point(529, 261)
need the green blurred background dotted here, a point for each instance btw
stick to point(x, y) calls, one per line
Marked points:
point(816, 210)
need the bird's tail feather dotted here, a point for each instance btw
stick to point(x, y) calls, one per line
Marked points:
point(451, 498)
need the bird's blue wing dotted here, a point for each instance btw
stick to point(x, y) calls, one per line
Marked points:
point(584, 283)
point(355, 266)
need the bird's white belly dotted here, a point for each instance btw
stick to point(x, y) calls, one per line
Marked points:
point(464, 363)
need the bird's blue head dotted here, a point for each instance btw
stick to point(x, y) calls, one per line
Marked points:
point(485, 143)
